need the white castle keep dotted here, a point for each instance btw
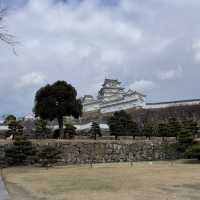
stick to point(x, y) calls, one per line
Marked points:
point(113, 97)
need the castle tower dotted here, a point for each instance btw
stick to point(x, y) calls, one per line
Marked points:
point(111, 90)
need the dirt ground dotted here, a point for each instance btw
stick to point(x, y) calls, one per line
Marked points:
point(142, 181)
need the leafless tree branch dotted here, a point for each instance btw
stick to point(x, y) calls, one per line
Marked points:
point(4, 35)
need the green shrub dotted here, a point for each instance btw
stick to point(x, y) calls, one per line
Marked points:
point(148, 130)
point(21, 152)
point(185, 139)
point(193, 152)
point(121, 124)
point(41, 129)
point(48, 155)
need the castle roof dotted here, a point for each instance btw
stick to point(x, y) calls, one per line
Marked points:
point(111, 81)
point(131, 92)
point(87, 97)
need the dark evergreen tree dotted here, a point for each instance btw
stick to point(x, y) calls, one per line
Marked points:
point(185, 139)
point(49, 155)
point(148, 130)
point(15, 128)
point(9, 118)
point(121, 124)
point(134, 129)
point(193, 152)
point(56, 101)
point(41, 129)
point(21, 152)
point(162, 130)
point(191, 126)
point(174, 127)
point(95, 130)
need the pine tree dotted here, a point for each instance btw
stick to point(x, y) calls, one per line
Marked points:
point(162, 130)
point(121, 124)
point(148, 130)
point(95, 130)
point(174, 127)
point(9, 118)
point(134, 129)
point(15, 128)
point(185, 139)
point(41, 129)
point(191, 126)
point(193, 152)
point(57, 101)
point(21, 152)
point(49, 155)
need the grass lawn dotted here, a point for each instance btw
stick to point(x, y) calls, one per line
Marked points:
point(142, 181)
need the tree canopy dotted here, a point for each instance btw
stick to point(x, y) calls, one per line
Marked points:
point(56, 101)
point(121, 124)
point(9, 118)
point(41, 129)
point(148, 130)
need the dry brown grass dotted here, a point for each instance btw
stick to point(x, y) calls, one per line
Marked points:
point(143, 181)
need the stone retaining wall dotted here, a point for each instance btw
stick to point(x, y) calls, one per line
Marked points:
point(82, 152)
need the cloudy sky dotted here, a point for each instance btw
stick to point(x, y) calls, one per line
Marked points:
point(152, 46)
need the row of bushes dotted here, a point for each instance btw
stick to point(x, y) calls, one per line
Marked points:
point(121, 124)
point(23, 152)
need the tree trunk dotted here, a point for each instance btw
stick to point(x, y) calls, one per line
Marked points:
point(61, 130)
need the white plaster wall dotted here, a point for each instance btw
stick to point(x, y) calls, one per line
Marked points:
point(90, 107)
point(112, 98)
point(3, 128)
point(165, 105)
point(122, 106)
point(88, 126)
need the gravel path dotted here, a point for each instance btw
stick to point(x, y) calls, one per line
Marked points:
point(3, 191)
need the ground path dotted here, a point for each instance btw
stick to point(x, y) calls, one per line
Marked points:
point(3, 191)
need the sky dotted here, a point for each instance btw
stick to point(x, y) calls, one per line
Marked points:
point(152, 46)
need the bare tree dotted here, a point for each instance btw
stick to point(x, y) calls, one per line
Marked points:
point(4, 35)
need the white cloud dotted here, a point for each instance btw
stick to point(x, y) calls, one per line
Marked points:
point(85, 42)
point(31, 80)
point(170, 74)
point(196, 49)
point(143, 85)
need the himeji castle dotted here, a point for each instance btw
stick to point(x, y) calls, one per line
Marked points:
point(113, 97)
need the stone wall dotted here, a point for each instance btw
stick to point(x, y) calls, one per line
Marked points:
point(151, 115)
point(82, 152)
